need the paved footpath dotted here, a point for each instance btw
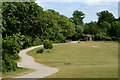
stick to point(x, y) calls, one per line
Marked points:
point(41, 70)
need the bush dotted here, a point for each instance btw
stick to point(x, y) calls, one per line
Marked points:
point(14, 56)
point(48, 44)
point(40, 50)
point(37, 42)
point(108, 38)
point(28, 42)
point(99, 36)
point(11, 45)
point(8, 65)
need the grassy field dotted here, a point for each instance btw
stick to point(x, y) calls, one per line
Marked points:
point(81, 60)
point(18, 72)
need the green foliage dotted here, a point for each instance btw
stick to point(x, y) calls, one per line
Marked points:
point(47, 44)
point(109, 25)
point(57, 27)
point(8, 65)
point(78, 33)
point(91, 28)
point(27, 41)
point(78, 17)
point(107, 38)
point(102, 36)
point(15, 21)
point(37, 42)
point(115, 29)
point(11, 45)
point(40, 50)
point(105, 16)
point(99, 36)
point(22, 29)
point(105, 26)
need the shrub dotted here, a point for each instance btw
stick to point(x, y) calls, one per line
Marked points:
point(14, 56)
point(48, 44)
point(40, 50)
point(37, 42)
point(28, 42)
point(10, 48)
point(99, 36)
point(108, 38)
point(8, 65)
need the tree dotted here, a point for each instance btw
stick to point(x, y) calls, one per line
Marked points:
point(91, 28)
point(105, 16)
point(21, 17)
point(18, 17)
point(78, 33)
point(105, 26)
point(78, 17)
point(47, 44)
point(57, 27)
point(115, 30)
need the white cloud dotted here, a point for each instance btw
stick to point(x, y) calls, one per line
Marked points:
point(90, 7)
point(98, 2)
point(79, 0)
point(87, 2)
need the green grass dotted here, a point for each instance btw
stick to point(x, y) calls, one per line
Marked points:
point(18, 72)
point(81, 60)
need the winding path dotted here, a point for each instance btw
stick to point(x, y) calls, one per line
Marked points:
point(41, 70)
point(29, 62)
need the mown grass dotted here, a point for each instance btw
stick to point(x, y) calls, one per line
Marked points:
point(81, 60)
point(18, 72)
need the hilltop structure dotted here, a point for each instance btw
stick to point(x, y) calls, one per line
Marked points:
point(88, 38)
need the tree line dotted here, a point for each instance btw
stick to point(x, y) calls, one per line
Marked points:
point(26, 24)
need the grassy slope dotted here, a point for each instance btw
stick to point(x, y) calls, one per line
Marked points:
point(83, 60)
point(18, 72)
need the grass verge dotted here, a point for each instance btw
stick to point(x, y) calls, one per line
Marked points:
point(18, 72)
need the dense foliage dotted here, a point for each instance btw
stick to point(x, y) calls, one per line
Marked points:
point(47, 44)
point(25, 24)
point(107, 28)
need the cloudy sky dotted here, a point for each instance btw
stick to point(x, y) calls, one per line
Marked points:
point(89, 7)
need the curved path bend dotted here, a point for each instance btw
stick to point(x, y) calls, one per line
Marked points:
point(29, 62)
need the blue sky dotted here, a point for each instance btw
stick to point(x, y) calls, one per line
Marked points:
point(89, 7)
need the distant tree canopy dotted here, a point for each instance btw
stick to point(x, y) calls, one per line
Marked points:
point(91, 28)
point(78, 17)
point(105, 16)
point(104, 29)
point(115, 30)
